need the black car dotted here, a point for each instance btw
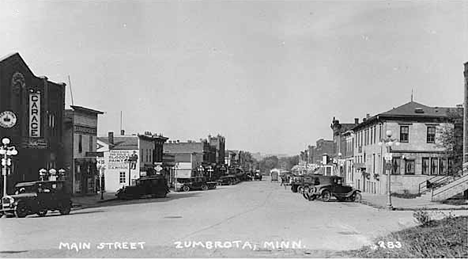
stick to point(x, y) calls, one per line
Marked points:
point(332, 186)
point(153, 186)
point(258, 177)
point(194, 183)
point(37, 198)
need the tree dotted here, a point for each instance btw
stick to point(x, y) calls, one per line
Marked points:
point(268, 163)
point(450, 137)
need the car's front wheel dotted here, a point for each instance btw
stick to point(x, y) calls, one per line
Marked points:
point(21, 210)
point(185, 188)
point(204, 187)
point(326, 196)
point(356, 197)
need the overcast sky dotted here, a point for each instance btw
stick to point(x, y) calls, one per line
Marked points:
point(267, 75)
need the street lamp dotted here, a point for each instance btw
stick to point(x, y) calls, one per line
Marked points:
point(131, 162)
point(101, 169)
point(389, 142)
point(210, 170)
point(6, 152)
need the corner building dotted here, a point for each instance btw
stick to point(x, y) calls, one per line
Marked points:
point(38, 106)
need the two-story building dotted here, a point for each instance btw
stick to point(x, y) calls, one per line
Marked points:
point(127, 158)
point(79, 139)
point(31, 116)
point(419, 155)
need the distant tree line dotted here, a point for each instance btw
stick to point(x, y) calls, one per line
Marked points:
point(285, 163)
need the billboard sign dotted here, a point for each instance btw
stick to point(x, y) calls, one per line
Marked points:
point(118, 159)
point(34, 115)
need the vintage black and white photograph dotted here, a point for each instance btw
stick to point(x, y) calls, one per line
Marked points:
point(234, 129)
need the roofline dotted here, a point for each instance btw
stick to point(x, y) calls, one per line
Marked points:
point(81, 108)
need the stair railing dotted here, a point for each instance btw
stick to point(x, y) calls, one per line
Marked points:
point(435, 183)
point(437, 192)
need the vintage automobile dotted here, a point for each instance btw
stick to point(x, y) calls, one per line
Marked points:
point(194, 183)
point(296, 184)
point(332, 186)
point(308, 181)
point(153, 186)
point(258, 176)
point(37, 198)
point(228, 180)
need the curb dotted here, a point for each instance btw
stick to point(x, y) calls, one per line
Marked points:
point(408, 209)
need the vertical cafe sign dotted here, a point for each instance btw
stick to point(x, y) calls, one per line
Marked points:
point(34, 115)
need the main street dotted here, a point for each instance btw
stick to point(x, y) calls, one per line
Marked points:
point(250, 219)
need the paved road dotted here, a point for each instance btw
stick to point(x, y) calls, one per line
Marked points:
point(250, 219)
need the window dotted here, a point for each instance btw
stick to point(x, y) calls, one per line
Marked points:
point(450, 166)
point(122, 177)
point(80, 143)
point(396, 165)
point(425, 165)
point(434, 163)
point(404, 134)
point(409, 167)
point(442, 166)
point(90, 144)
point(431, 130)
point(375, 134)
point(373, 163)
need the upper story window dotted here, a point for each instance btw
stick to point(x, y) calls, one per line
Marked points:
point(404, 134)
point(431, 131)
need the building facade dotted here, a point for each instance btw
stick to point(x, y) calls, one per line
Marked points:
point(31, 116)
point(127, 158)
point(80, 141)
point(418, 157)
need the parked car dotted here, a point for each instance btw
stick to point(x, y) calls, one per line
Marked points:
point(332, 186)
point(37, 198)
point(296, 183)
point(258, 176)
point(194, 183)
point(308, 181)
point(154, 186)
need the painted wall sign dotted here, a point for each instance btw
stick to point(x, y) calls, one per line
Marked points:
point(118, 159)
point(7, 119)
point(34, 115)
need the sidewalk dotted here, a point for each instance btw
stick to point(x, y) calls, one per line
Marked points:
point(92, 200)
point(381, 201)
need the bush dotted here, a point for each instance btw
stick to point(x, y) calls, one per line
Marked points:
point(406, 195)
point(422, 217)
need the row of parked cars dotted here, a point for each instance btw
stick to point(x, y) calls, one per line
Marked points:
point(40, 197)
point(315, 186)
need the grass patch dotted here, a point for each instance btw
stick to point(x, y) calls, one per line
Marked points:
point(442, 238)
point(406, 195)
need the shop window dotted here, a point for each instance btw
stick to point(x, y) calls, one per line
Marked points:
point(404, 134)
point(431, 131)
point(425, 166)
point(122, 177)
point(409, 167)
point(434, 165)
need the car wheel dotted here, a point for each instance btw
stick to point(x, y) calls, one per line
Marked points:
point(204, 187)
point(42, 213)
point(326, 196)
point(299, 189)
point(357, 197)
point(21, 210)
point(185, 188)
point(65, 210)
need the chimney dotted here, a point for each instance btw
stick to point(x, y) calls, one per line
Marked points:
point(367, 116)
point(111, 138)
point(356, 121)
point(122, 132)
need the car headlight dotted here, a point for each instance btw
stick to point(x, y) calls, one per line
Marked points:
point(7, 200)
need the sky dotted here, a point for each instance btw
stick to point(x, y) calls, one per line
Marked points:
point(269, 76)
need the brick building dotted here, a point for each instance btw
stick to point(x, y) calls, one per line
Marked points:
point(36, 105)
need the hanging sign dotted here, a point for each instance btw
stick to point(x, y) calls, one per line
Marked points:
point(7, 119)
point(34, 115)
